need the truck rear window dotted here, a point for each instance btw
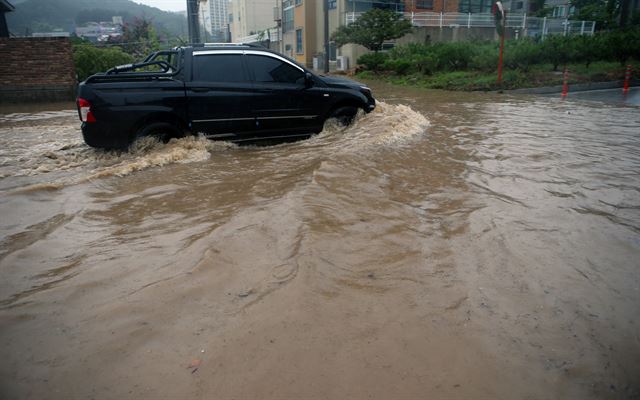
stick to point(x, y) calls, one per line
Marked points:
point(218, 68)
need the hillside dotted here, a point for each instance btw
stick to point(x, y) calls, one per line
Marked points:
point(47, 15)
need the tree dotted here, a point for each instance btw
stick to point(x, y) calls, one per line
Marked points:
point(372, 29)
point(139, 38)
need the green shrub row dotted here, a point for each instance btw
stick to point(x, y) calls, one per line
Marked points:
point(90, 59)
point(519, 54)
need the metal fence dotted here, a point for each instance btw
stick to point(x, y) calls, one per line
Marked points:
point(272, 34)
point(530, 26)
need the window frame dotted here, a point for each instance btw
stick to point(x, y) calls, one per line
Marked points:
point(300, 43)
point(420, 5)
point(277, 58)
point(248, 72)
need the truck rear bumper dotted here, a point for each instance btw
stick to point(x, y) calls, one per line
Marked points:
point(101, 136)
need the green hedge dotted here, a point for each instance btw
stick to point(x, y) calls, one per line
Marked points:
point(90, 59)
point(521, 54)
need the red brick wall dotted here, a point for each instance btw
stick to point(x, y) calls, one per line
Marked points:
point(36, 62)
point(438, 6)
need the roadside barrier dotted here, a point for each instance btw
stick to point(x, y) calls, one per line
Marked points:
point(627, 79)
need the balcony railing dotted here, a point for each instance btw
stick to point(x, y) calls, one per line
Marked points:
point(273, 34)
point(531, 26)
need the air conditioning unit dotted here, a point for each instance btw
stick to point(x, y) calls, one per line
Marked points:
point(342, 63)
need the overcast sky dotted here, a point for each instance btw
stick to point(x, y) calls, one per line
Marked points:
point(167, 5)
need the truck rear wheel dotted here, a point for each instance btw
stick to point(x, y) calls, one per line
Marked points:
point(163, 131)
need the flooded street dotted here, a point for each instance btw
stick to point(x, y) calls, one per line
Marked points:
point(447, 245)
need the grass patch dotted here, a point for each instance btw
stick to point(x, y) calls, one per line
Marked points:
point(537, 76)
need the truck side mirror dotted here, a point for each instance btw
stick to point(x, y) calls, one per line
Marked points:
point(308, 79)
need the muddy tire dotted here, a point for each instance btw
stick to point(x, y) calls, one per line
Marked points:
point(163, 131)
point(344, 115)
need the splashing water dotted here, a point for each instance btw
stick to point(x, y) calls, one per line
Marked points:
point(54, 156)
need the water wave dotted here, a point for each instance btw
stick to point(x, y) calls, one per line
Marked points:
point(55, 156)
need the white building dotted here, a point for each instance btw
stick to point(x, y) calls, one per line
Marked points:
point(251, 16)
point(214, 19)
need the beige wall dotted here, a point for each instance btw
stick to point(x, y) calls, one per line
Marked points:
point(251, 16)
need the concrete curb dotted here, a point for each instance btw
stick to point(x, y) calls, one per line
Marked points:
point(576, 87)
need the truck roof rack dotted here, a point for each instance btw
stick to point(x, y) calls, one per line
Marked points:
point(225, 45)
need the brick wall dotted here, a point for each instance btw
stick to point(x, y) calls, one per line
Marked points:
point(34, 69)
point(438, 6)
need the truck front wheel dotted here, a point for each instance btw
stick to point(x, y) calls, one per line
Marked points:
point(344, 115)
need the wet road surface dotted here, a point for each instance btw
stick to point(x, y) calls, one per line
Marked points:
point(448, 245)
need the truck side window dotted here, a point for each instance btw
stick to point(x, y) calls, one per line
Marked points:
point(218, 68)
point(271, 70)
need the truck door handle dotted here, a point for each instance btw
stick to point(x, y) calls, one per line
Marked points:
point(200, 89)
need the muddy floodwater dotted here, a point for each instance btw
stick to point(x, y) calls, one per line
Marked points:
point(447, 245)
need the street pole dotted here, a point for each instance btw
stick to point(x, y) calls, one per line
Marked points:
point(326, 36)
point(192, 21)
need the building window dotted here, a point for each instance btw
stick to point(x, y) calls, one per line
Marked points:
point(475, 6)
point(332, 4)
point(299, 48)
point(298, 2)
point(287, 24)
point(366, 5)
point(424, 4)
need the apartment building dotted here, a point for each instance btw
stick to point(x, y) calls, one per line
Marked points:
point(303, 25)
point(214, 19)
point(418, 6)
point(250, 16)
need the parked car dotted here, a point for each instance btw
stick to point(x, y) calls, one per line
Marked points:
point(232, 92)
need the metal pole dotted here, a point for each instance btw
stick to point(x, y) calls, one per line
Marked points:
point(326, 36)
point(544, 27)
point(469, 21)
point(582, 28)
point(192, 21)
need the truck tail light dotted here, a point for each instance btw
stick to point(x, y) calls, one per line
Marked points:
point(84, 110)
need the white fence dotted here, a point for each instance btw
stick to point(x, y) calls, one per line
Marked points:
point(272, 34)
point(531, 26)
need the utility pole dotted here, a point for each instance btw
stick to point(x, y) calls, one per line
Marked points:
point(625, 6)
point(326, 36)
point(192, 21)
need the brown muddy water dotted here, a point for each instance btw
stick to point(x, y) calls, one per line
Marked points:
point(445, 246)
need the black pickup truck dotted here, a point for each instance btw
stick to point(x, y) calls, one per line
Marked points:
point(234, 92)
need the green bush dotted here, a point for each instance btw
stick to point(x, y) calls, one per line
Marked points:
point(399, 66)
point(426, 63)
point(485, 60)
point(454, 56)
point(89, 59)
point(590, 49)
point(623, 45)
point(373, 61)
point(521, 54)
point(558, 50)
